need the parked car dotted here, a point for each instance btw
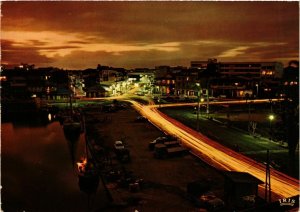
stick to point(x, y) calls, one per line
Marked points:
point(141, 119)
point(123, 155)
point(161, 151)
point(211, 202)
point(160, 140)
point(119, 145)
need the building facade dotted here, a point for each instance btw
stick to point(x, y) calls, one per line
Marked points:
point(243, 79)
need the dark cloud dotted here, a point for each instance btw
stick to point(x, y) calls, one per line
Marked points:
point(153, 21)
point(133, 59)
point(230, 25)
point(38, 43)
point(11, 54)
point(78, 42)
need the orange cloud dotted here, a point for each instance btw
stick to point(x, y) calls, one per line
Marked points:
point(165, 32)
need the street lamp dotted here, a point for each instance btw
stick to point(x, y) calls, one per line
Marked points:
point(271, 118)
point(198, 100)
point(271, 103)
point(256, 90)
point(207, 103)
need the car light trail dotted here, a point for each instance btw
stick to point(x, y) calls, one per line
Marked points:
point(255, 101)
point(217, 155)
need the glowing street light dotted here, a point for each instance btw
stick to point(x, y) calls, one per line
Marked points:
point(271, 118)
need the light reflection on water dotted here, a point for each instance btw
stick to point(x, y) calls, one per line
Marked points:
point(37, 172)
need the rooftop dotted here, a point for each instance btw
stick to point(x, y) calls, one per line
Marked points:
point(241, 177)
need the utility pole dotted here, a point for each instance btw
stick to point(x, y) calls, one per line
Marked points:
point(207, 100)
point(198, 111)
point(207, 104)
point(268, 180)
point(198, 108)
point(248, 104)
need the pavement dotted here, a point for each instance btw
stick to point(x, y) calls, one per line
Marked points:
point(166, 180)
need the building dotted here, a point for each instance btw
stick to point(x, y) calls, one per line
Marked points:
point(186, 83)
point(240, 189)
point(165, 79)
point(202, 65)
point(242, 79)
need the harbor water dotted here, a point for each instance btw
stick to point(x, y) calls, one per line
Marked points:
point(38, 166)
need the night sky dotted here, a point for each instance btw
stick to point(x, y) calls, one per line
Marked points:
point(78, 35)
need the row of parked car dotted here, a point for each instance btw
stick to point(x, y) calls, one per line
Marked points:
point(166, 146)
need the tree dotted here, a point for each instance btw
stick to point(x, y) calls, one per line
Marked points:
point(290, 109)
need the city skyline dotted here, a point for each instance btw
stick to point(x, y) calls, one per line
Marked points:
point(78, 35)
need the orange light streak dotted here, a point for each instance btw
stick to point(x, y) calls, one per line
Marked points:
point(217, 155)
point(255, 101)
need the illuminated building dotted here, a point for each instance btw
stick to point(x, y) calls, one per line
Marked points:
point(242, 79)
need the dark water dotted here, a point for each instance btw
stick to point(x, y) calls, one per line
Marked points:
point(38, 167)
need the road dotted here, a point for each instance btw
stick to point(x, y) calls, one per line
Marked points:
point(213, 153)
point(221, 157)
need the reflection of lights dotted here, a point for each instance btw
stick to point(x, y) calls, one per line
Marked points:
point(3, 78)
point(202, 100)
point(33, 95)
point(81, 165)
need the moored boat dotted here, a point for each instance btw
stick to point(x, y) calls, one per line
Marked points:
point(88, 177)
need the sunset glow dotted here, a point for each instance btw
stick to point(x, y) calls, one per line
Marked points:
point(146, 34)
